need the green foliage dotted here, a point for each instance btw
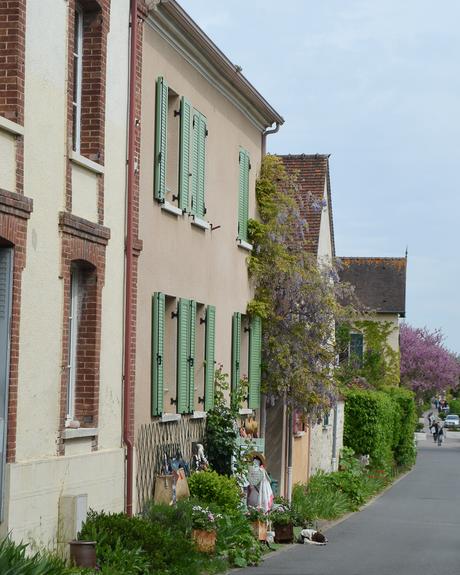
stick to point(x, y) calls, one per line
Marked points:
point(317, 500)
point(381, 424)
point(15, 560)
point(380, 363)
point(210, 487)
point(236, 542)
point(294, 296)
point(282, 516)
point(454, 406)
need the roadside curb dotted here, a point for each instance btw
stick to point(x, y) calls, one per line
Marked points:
point(326, 525)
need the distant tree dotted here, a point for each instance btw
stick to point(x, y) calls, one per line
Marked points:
point(427, 366)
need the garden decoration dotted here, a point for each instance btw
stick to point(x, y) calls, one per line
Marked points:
point(204, 526)
point(260, 494)
point(258, 519)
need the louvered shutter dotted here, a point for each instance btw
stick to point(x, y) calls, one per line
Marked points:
point(183, 311)
point(158, 338)
point(236, 350)
point(198, 164)
point(184, 159)
point(255, 358)
point(191, 356)
point(209, 357)
point(243, 196)
point(161, 135)
point(357, 348)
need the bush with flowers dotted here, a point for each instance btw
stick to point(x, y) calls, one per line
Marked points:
point(204, 519)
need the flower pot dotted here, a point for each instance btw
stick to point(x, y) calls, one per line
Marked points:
point(83, 553)
point(259, 528)
point(205, 541)
point(284, 533)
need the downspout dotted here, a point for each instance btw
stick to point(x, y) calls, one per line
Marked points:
point(266, 133)
point(289, 455)
point(128, 383)
point(334, 438)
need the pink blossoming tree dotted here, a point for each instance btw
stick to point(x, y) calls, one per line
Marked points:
point(427, 366)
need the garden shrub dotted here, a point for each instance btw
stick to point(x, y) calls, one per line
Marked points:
point(454, 406)
point(317, 499)
point(404, 448)
point(16, 560)
point(210, 487)
point(236, 542)
point(369, 426)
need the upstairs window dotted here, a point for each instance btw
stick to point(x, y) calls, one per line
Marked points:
point(247, 355)
point(180, 152)
point(88, 79)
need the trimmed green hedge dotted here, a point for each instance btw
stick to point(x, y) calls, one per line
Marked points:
point(381, 424)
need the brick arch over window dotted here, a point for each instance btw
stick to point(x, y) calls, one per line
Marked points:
point(83, 271)
point(15, 210)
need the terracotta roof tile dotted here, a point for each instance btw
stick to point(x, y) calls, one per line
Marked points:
point(311, 172)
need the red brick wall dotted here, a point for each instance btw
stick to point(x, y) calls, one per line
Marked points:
point(83, 243)
point(14, 213)
point(96, 20)
point(12, 52)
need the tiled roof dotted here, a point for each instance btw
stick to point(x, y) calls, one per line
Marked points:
point(311, 172)
point(380, 283)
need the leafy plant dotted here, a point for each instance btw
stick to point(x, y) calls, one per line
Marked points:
point(281, 516)
point(236, 542)
point(256, 514)
point(15, 560)
point(210, 487)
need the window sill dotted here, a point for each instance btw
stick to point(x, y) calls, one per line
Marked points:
point(10, 126)
point(245, 411)
point(245, 245)
point(70, 433)
point(299, 433)
point(168, 417)
point(167, 207)
point(199, 415)
point(203, 224)
point(86, 163)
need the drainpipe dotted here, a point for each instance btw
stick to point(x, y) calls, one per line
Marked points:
point(334, 438)
point(266, 133)
point(289, 456)
point(128, 383)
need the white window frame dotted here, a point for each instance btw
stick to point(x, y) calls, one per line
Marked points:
point(78, 77)
point(74, 317)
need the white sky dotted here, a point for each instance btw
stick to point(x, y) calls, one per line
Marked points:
point(376, 84)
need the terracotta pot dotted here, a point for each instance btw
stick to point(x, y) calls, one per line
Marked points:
point(259, 528)
point(205, 541)
point(284, 533)
point(83, 553)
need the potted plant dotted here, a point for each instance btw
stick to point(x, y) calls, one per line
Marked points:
point(204, 525)
point(258, 520)
point(281, 519)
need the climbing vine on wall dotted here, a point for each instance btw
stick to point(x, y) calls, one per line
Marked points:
point(379, 365)
point(296, 297)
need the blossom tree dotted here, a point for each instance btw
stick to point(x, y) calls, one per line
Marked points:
point(427, 366)
point(296, 298)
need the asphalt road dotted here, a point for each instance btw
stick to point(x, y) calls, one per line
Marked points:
point(412, 529)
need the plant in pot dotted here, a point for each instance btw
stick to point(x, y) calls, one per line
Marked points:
point(281, 518)
point(204, 528)
point(258, 520)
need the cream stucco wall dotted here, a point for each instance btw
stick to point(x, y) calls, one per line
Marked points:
point(321, 442)
point(39, 476)
point(7, 161)
point(178, 258)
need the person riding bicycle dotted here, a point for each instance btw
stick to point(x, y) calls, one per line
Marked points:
point(440, 434)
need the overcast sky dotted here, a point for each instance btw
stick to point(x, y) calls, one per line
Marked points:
point(376, 84)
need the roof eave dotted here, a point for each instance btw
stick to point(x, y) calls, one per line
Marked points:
point(267, 114)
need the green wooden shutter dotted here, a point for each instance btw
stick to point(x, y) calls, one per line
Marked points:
point(255, 358)
point(236, 350)
point(198, 164)
point(158, 338)
point(184, 159)
point(357, 348)
point(161, 135)
point(183, 310)
point(210, 357)
point(243, 197)
point(191, 356)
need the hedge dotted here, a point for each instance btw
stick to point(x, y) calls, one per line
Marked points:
point(381, 424)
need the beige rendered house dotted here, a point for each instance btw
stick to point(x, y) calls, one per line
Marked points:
point(203, 127)
point(62, 215)
point(314, 446)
